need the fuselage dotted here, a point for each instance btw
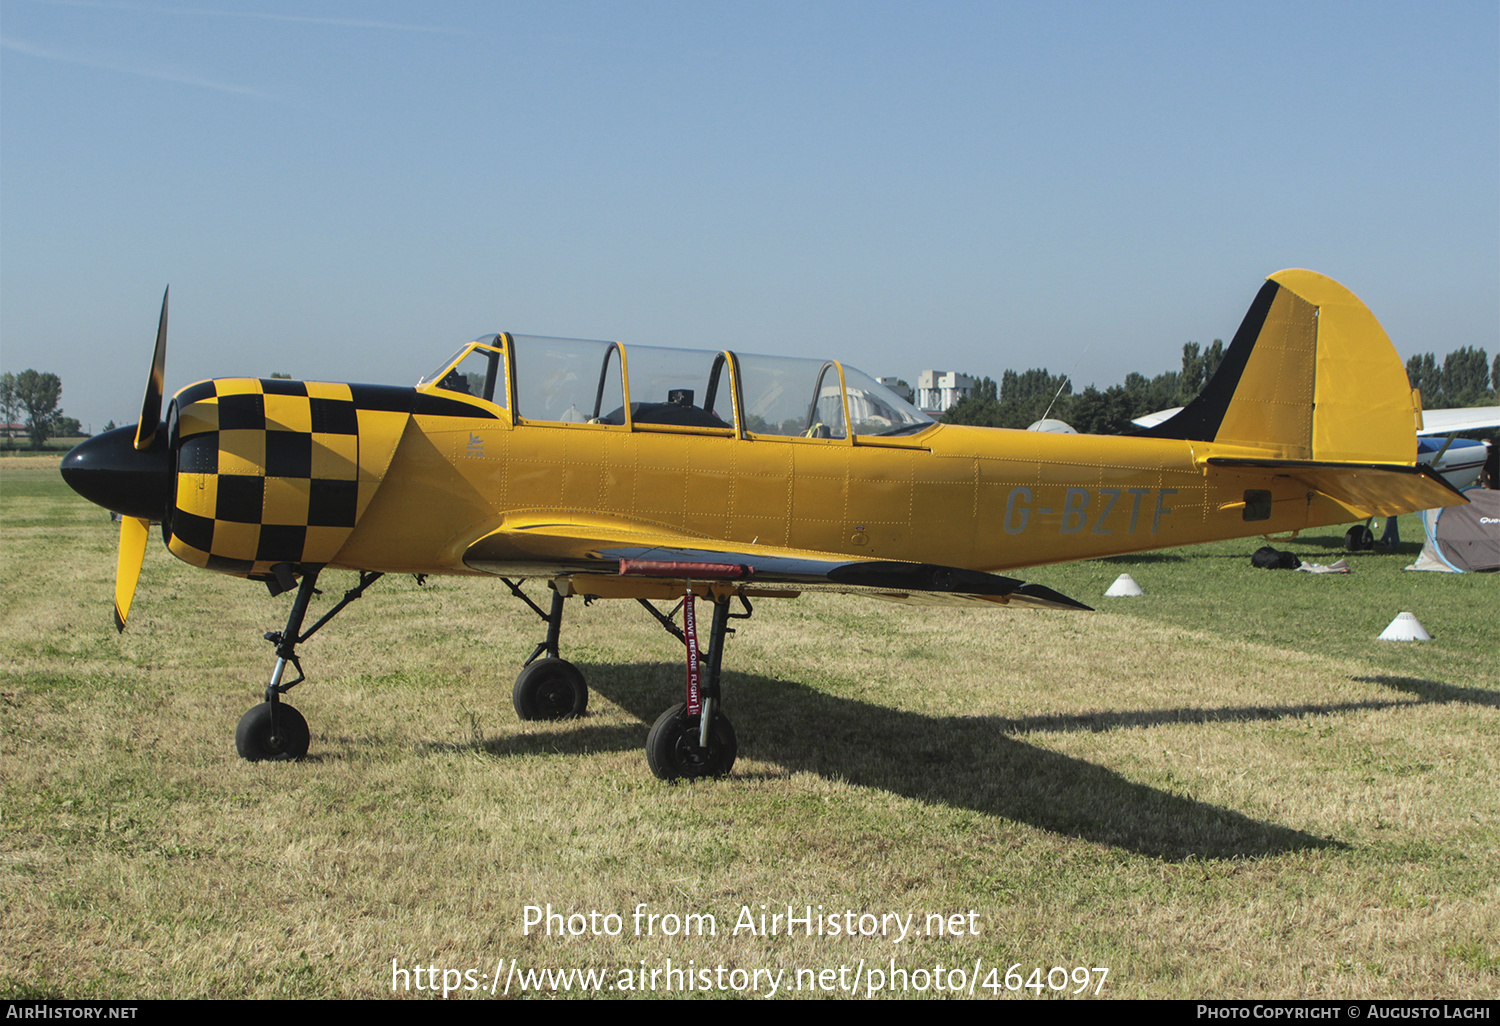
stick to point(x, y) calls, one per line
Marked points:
point(981, 498)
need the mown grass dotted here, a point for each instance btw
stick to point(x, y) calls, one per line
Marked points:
point(1226, 787)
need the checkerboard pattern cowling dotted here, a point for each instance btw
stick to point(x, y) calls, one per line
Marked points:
point(267, 472)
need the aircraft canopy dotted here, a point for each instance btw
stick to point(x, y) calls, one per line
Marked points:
point(582, 381)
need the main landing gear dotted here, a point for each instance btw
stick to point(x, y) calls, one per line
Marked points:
point(273, 730)
point(552, 689)
point(1359, 538)
point(693, 738)
point(675, 747)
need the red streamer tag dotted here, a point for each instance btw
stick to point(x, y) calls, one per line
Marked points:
point(690, 632)
point(668, 568)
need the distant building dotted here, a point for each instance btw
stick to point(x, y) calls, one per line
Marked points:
point(900, 387)
point(938, 390)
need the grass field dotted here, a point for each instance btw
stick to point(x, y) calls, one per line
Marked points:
point(1226, 787)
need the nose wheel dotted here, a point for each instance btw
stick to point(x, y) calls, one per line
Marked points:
point(272, 732)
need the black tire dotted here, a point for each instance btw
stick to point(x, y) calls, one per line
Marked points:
point(1359, 538)
point(550, 689)
point(259, 741)
point(672, 746)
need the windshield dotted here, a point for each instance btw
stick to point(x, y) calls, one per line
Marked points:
point(480, 372)
point(437, 372)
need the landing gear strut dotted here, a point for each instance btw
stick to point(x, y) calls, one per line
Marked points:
point(273, 730)
point(552, 689)
point(695, 738)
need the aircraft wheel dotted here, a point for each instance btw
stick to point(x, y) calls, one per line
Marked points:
point(259, 741)
point(1359, 538)
point(550, 689)
point(672, 746)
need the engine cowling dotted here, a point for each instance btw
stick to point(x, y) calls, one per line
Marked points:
point(270, 471)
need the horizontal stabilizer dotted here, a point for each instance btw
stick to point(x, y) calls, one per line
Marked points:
point(1365, 489)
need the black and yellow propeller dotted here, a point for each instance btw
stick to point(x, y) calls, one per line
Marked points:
point(129, 471)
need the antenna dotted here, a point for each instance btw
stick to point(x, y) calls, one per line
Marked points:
point(1066, 378)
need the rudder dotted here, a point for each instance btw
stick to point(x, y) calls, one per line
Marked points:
point(1309, 375)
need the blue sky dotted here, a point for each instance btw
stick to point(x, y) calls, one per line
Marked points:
point(348, 191)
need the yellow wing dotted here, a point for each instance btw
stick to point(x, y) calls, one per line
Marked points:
point(615, 557)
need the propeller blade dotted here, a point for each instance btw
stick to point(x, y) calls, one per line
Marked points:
point(145, 431)
point(133, 534)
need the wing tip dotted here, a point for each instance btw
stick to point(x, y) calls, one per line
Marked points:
point(1056, 599)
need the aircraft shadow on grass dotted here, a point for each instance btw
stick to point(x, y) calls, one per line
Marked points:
point(1333, 545)
point(973, 763)
point(1435, 692)
point(1307, 545)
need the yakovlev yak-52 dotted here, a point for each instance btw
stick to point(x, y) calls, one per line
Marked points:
point(622, 471)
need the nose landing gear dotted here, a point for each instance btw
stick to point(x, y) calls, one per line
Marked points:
point(273, 730)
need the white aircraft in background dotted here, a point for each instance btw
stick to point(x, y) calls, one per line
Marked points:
point(1459, 460)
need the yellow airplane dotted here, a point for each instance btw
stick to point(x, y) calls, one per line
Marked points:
point(616, 471)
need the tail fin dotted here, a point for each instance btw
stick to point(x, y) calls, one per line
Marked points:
point(1310, 375)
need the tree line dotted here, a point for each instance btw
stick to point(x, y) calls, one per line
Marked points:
point(1018, 400)
point(35, 394)
point(1466, 378)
